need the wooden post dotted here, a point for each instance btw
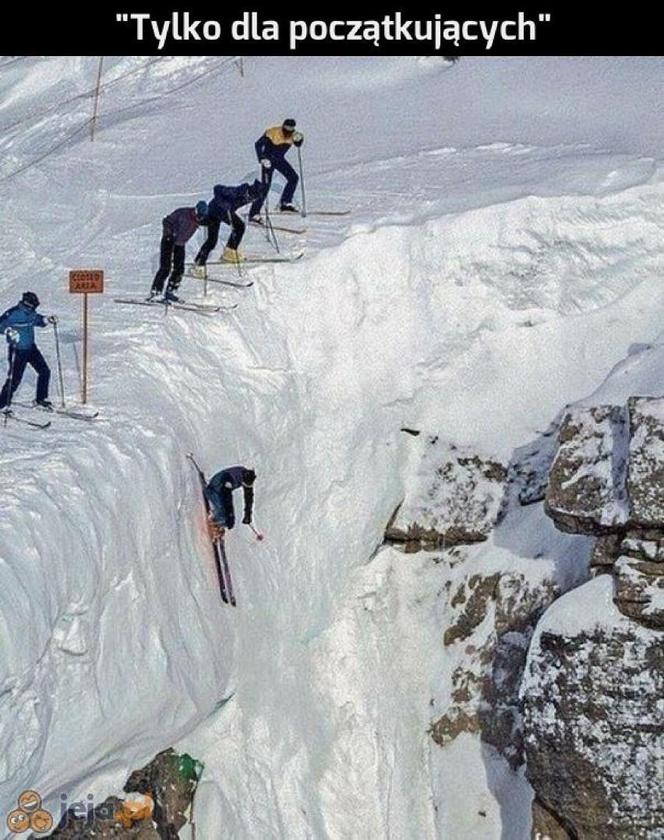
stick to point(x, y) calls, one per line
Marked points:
point(84, 390)
point(85, 282)
point(96, 102)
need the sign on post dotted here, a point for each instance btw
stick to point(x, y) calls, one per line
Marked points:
point(86, 282)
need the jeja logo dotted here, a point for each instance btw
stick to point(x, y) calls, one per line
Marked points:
point(30, 815)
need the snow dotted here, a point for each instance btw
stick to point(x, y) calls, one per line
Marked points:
point(503, 255)
point(580, 610)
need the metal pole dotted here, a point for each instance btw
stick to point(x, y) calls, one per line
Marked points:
point(269, 230)
point(304, 196)
point(57, 355)
point(84, 397)
point(96, 102)
point(10, 383)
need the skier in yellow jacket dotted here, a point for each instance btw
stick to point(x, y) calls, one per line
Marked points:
point(271, 150)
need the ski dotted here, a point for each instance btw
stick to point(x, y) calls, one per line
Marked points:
point(328, 213)
point(237, 285)
point(227, 572)
point(279, 258)
point(217, 545)
point(7, 414)
point(201, 308)
point(65, 412)
point(279, 227)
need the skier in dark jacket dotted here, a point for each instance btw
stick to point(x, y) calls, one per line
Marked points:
point(219, 493)
point(271, 148)
point(223, 208)
point(18, 324)
point(178, 228)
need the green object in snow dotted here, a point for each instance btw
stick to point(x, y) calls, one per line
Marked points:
point(189, 768)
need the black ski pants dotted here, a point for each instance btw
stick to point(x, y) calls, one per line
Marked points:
point(171, 261)
point(237, 232)
point(18, 360)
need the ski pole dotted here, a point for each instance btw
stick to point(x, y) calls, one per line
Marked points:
point(260, 537)
point(10, 383)
point(304, 195)
point(270, 235)
point(57, 355)
point(229, 218)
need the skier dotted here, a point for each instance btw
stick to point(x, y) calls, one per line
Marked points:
point(219, 493)
point(271, 150)
point(223, 208)
point(178, 228)
point(18, 325)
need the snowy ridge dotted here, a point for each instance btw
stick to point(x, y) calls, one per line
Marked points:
point(478, 322)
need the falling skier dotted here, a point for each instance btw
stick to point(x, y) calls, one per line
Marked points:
point(271, 150)
point(219, 493)
point(178, 228)
point(18, 324)
point(223, 208)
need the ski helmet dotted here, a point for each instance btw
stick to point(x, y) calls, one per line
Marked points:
point(289, 125)
point(30, 299)
point(202, 210)
point(248, 477)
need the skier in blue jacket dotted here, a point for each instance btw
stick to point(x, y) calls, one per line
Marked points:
point(223, 208)
point(18, 324)
point(178, 228)
point(219, 493)
point(271, 148)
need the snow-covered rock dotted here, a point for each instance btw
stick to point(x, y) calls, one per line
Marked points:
point(594, 719)
point(492, 616)
point(645, 473)
point(639, 581)
point(453, 497)
point(586, 491)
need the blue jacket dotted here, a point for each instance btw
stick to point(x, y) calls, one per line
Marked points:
point(23, 319)
point(219, 493)
point(228, 199)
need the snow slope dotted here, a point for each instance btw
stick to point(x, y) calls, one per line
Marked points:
point(502, 256)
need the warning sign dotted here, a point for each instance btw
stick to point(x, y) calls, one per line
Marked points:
point(86, 281)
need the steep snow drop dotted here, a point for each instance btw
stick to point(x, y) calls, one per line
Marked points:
point(447, 326)
point(469, 326)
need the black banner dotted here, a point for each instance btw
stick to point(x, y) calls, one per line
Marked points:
point(127, 27)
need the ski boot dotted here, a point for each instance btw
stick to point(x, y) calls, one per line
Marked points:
point(199, 271)
point(171, 297)
point(289, 208)
point(256, 220)
point(47, 405)
point(231, 255)
point(153, 294)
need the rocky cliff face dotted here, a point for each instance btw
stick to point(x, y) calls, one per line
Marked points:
point(594, 683)
point(454, 498)
point(457, 502)
point(594, 722)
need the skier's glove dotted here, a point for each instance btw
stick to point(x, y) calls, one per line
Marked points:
point(266, 163)
point(13, 336)
point(298, 138)
point(246, 519)
point(52, 319)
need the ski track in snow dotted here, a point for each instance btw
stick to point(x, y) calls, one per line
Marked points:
point(473, 277)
